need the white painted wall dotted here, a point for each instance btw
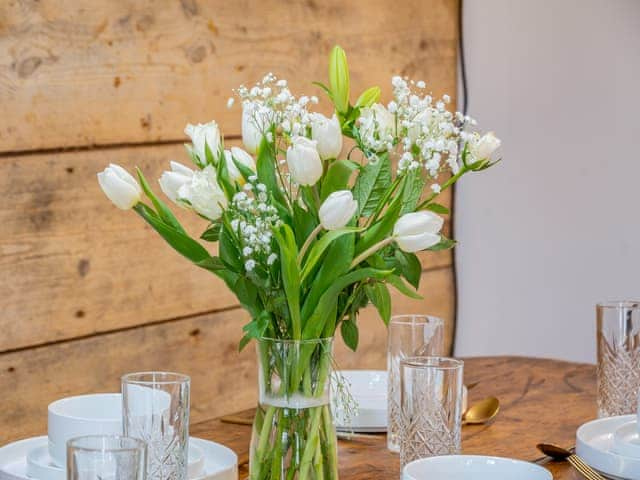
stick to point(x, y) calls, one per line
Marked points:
point(555, 228)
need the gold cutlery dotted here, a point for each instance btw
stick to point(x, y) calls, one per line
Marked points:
point(559, 453)
point(481, 412)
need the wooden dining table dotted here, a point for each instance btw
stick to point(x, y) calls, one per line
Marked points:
point(540, 401)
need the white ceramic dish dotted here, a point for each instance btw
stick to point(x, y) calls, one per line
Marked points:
point(594, 443)
point(40, 465)
point(369, 390)
point(99, 414)
point(626, 440)
point(473, 467)
point(216, 463)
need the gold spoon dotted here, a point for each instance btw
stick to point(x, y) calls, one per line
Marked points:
point(559, 453)
point(481, 412)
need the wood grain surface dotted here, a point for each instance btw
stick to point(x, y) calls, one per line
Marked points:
point(88, 72)
point(541, 401)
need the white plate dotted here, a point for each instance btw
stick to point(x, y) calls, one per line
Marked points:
point(369, 389)
point(626, 440)
point(473, 467)
point(594, 443)
point(215, 461)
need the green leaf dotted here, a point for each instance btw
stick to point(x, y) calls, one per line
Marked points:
point(255, 328)
point(349, 331)
point(245, 171)
point(227, 248)
point(290, 275)
point(337, 177)
point(369, 97)
point(163, 211)
point(336, 263)
point(303, 223)
point(371, 185)
point(315, 324)
point(382, 228)
point(266, 171)
point(213, 264)
point(444, 244)
point(222, 174)
point(212, 234)
point(180, 241)
point(379, 295)
point(326, 89)
point(412, 192)
point(437, 208)
point(339, 79)
point(399, 285)
point(247, 294)
point(321, 245)
point(411, 268)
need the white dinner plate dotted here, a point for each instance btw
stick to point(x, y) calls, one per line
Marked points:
point(369, 390)
point(594, 443)
point(473, 467)
point(626, 440)
point(215, 461)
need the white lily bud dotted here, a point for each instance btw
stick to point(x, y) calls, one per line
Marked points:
point(252, 130)
point(304, 161)
point(202, 135)
point(120, 187)
point(241, 157)
point(203, 194)
point(338, 208)
point(328, 134)
point(485, 147)
point(418, 230)
point(170, 182)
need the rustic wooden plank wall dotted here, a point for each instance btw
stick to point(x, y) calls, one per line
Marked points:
point(89, 292)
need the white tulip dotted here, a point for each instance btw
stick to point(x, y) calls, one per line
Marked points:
point(120, 187)
point(254, 127)
point(485, 146)
point(304, 161)
point(338, 208)
point(170, 182)
point(202, 135)
point(385, 120)
point(203, 194)
point(241, 157)
point(328, 134)
point(418, 230)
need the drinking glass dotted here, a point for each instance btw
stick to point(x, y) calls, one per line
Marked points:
point(409, 336)
point(618, 332)
point(431, 401)
point(155, 408)
point(106, 457)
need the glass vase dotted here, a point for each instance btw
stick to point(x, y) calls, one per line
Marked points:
point(293, 435)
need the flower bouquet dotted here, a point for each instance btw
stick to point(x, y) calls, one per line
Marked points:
point(307, 236)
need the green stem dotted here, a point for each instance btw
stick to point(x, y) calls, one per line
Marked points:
point(318, 463)
point(310, 447)
point(453, 179)
point(265, 433)
point(370, 251)
point(307, 243)
point(330, 445)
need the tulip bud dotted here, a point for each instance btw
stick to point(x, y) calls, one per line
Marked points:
point(203, 135)
point(485, 146)
point(418, 230)
point(304, 161)
point(369, 97)
point(339, 79)
point(254, 128)
point(170, 182)
point(328, 134)
point(336, 211)
point(241, 157)
point(120, 187)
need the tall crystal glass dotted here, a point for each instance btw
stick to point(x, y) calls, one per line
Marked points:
point(431, 399)
point(618, 333)
point(106, 457)
point(409, 336)
point(156, 410)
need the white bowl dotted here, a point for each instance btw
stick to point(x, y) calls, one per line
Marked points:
point(473, 467)
point(95, 414)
